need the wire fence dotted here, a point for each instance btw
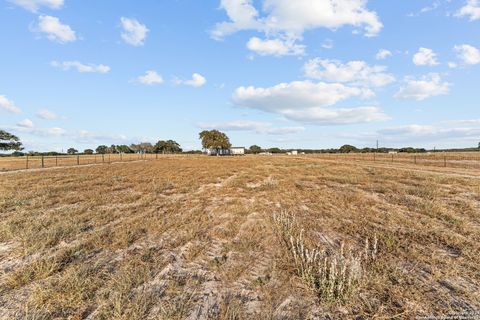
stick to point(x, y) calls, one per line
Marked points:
point(437, 159)
point(39, 162)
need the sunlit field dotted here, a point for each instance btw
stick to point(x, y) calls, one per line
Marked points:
point(255, 237)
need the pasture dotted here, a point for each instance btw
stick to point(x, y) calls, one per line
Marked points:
point(195, 237)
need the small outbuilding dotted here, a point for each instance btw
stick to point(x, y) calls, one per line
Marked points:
point(237, 151)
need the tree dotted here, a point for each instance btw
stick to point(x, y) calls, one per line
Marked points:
point(169, 146)
point(72, 151)
point(214, 139)
point(9, 141)
point(255, 149)
point(275, 150)
point(101, 149)
point(144, 147)
point(123, 149)
point(347, 149)
point(88, 151)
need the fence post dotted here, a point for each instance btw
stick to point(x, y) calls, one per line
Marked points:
point(78, 160)
point(109, 158)
point(27, 162)
point(445, 161)
point(121, 157)
point(415, 159)
point(43, 164)
point(56, 161)
point(374, 156)
point(392, 157)
point(103, 158)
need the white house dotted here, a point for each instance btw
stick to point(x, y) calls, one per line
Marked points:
point(217, 152)
point(234, 151)
point(237, 151)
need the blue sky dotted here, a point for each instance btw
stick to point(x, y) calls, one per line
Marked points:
point(277, 73)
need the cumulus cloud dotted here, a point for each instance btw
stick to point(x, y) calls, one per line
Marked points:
point(8, 105)
point(55, 29)
point(197, 81)
point(425, 57)
point(151, 77)
point(81, 67)
point(471, 10)
point(423, 88)
point(47, 115)
point(255, 126)
point(34, 5)
point(468, 54)
point(355, 72)
point(134, 32)
point(382, 54)
point(287, 20)
point(309, 102)
point(275, 47)
point(289, 17)
point(25, 123)
point(327, 44)
point(415, 132)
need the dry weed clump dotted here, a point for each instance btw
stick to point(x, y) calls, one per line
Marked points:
point(332, 273)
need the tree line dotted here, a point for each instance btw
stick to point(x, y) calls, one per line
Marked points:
point(210, 139)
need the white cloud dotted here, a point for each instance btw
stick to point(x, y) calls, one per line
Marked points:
point(82, 68)
point(452, 65)
point(134, 32)
point(55, 29)
point(470, 9)
point(382, 54)
point(355, 72)
point(327, 44)
point(197, 81)
point(425, 57)
point(308, 102)
point(288, 20)
point(54, 131)
point(34, 5)
point(256, 126)
point(336, 116)
point(151, 77)
point(47, 115)
point(25, 123)
point(275, 47)
point(432, 133)
point(468, 54)
point(8, 105)
point(423, 88)
point(287, 17)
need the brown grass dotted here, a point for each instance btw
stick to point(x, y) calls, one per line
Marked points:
point(193, 237)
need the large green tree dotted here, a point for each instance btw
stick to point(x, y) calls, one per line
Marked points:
point(255, 149)
point(214, 139)
point(123, 149)
point(347, 149)
point(144, 147)
point(9, 141)
point(169, 146)
point(102, 149)
point(72, 151)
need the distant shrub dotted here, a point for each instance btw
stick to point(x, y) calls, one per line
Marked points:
point(332, 274)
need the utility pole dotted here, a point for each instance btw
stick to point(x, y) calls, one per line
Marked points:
point(377, 145)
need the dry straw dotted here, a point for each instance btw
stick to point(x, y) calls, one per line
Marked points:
point(334, 273)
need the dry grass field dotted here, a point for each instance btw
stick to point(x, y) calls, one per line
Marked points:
point(239, 238)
